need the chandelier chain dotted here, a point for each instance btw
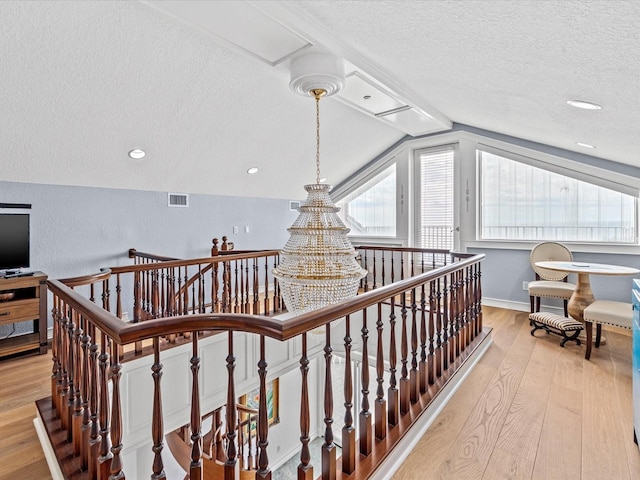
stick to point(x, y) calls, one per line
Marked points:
point(317, 93)
point(317, 139)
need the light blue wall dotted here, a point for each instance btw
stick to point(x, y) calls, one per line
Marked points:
point(503, 272)
point(77, 230)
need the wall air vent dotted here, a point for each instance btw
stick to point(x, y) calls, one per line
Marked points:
point(178, 199)
point(294, 205)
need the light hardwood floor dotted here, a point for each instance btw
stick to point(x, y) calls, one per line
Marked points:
point(533, 410)
point(529, 410)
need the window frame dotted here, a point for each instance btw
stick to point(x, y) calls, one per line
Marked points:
point(468, 140)
point(397, 157)
point(564, 167)
point(417, 153)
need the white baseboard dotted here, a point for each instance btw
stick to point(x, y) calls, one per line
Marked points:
point(518, 306)
point(409, 441)
point(49, 454)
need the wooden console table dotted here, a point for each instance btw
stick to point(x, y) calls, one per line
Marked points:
point(28, 304)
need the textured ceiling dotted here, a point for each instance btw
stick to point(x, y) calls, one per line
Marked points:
point(84, 82)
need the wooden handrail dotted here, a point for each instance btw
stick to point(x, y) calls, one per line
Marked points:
point(193, 261)
point(124, 333)
point(104, 274)
point(415, 333)
point(133, 253)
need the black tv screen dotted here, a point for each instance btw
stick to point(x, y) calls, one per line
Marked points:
point(14, 241)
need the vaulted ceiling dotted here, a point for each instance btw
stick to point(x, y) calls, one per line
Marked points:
point(84, 82)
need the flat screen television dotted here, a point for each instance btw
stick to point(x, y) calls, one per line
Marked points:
point(14, 241)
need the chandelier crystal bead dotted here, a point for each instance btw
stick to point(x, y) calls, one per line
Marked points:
point(318, 265)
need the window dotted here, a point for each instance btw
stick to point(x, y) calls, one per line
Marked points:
point(435, 217)
point(523, 202)
point(370, 210)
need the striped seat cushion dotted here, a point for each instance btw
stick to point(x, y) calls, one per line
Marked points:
point(556, 321)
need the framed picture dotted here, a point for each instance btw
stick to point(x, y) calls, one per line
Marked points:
point(252, 400)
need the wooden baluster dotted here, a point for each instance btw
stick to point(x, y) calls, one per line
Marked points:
point(422, 369)
point(393, 411)
point(146, 290)
point(451, 320)
point(431, 362)
point(414, 381)
point(195, 468)
point(193, 298)
point(366, 267)
point(157, 425)
point(247, 304)
point(382, 261)
point(348, 430)
point(445, 324)
point(179, 294)
point(365, 431)
point(85, 427)
point(137, 304)
point(413, 272)
point(380, 409)
point(155, 296)
point(225, 287)
point(201, 290)
point(116, 415)
point(478, 298)
point(263, 470)
point(94, 434)
point(438, 353)
point(184, 288)
point(267, 310)
point(393, 278)
point(171, 292)
point(73, 380)
point(231, 464)
point(241, 293)
point(305, 469)
point(162, 311)
point(236, 290)
point(218, 451)
point(106, 295)
point(55, 367)
point(105, 457)
point(215, 299)
point(65, 361)
point(458, 294)
point(212, 293)
point(241, 437)
point(375, 275)
point(404, 358)
point(256, 288)
point(328, 448)
point(278, 303)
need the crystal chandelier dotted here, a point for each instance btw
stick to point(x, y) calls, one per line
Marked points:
point(317, 265)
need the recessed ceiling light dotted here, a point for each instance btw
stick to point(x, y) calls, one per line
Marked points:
point(252, 170)
point(137, 153)
point(584, 105)
point(585, 145)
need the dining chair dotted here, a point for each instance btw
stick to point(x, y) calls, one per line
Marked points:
point(607, 312)
point(550, 283)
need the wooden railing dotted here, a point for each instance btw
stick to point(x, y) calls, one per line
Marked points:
point(415, 333)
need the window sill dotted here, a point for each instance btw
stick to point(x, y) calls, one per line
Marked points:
point(578, 247)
